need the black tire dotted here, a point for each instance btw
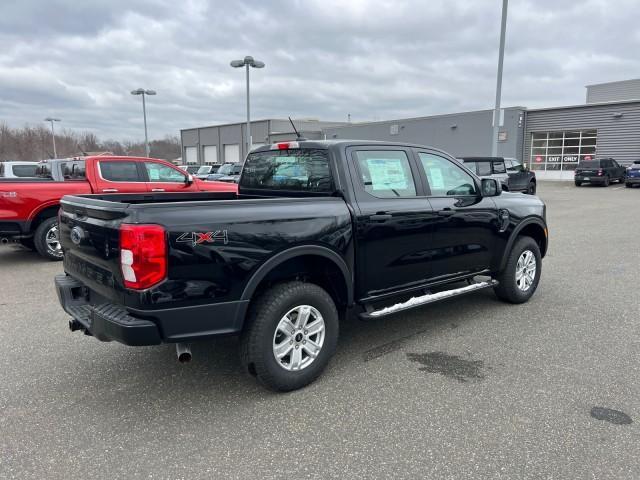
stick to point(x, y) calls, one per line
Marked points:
point(508, 289)
point(257, 341)
point(531, 189)
point(606, 182)
point(577, 183)
point(628, 185)
point(40, 240)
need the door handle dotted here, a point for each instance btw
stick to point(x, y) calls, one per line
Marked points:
point(446, 212)
point(109, 190)
point(157, 189)
point(380, 217)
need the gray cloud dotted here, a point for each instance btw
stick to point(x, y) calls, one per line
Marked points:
point(325, 58)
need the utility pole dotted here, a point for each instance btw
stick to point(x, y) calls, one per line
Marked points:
point(496, 112)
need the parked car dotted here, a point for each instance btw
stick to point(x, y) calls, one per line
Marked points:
point(488, 167)
point(60, 169)
point(512, 174)
point(29, 206)
point(190, 169)
point(521, 179)
point(18, 169)
point(234, 176)
point(601, 171)
point(223, 171)
point(281, 261)
point(633, 174)
point(205, 170)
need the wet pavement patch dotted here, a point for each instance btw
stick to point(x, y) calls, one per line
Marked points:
point(450, 366)
point(389, 347)
point(612, 416)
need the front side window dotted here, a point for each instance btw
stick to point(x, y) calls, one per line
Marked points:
point(158, 172)
point(287, 170)
point(445, 178)
point(386, 174)
point(204, 170)
point(119, 171)
point(498, 167)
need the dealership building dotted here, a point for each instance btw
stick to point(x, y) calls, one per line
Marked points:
point(550, 140)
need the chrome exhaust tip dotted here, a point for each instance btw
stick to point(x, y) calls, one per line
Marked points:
point(183, 351)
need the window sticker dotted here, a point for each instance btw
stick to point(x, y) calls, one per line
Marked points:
point(154, 174)
point(387, 174)
point(436, 179)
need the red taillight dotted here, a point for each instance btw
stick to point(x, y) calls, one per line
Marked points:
point(143, 255)
point(600, 172)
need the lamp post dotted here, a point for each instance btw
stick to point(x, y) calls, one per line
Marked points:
point(496, 112)
point(247, 62)
point(53, 133)
point(143, 92)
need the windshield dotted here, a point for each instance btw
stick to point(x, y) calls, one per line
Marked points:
point(204, 169)
point(225, 169)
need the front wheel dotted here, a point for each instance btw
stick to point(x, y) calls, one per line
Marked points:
point(577, 183)
point(291, 335)
point(520, 277)
point(531, 189)
point(46, 239)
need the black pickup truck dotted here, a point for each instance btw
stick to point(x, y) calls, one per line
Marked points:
point(317, 229)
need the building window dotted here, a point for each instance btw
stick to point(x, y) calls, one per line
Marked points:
point(562, 150)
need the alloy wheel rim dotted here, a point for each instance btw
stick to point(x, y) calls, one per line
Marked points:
point(53, 242)
point(526, 270)
point(298, 338)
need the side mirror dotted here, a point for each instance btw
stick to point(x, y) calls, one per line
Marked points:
point(490, 187)
point(188, 180)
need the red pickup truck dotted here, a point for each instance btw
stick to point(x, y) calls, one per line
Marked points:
point(29, 207)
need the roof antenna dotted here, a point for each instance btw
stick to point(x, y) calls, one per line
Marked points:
point(298, 136)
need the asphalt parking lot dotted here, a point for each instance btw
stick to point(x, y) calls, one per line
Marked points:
point(471, 388)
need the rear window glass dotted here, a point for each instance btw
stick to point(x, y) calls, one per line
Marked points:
point(589, 164)
point(24, 170)
point(120, 171)
point(292, 170)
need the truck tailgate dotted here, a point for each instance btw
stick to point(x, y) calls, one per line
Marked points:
point(89, 234)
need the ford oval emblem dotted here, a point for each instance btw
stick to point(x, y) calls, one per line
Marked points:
point(77, 234)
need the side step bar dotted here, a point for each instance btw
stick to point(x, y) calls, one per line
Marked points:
point(426, 299)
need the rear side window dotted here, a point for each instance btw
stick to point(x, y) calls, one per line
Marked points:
point(25, 170)
point(483, 168)
point(120, 171)
point(158, 172)
point(287, 170)
point(386, 174)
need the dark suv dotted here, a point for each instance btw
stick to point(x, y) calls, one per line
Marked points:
point(601, 171)
point(633, 174)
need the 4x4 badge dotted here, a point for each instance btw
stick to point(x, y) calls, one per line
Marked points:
point(198, 238)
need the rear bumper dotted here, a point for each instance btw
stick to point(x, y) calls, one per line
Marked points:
point(112, 322)
point(589, 179)
point(632, 180)
point(106, 322)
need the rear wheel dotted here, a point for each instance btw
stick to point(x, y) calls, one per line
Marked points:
point(577, 183)
point(628, 185)
point(606, 182)
point(520, 277)
point(46, 239)
point(291, 335)
point(531, 189)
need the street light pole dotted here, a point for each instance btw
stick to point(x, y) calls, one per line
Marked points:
point(53, 133)
point(247, 62)
point(496, 112)
point(143, 92)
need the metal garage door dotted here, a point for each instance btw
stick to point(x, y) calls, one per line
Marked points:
point(191, 155)
point(232, 153)
point(210, 154)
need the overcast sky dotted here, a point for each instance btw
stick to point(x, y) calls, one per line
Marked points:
point(376, 60)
